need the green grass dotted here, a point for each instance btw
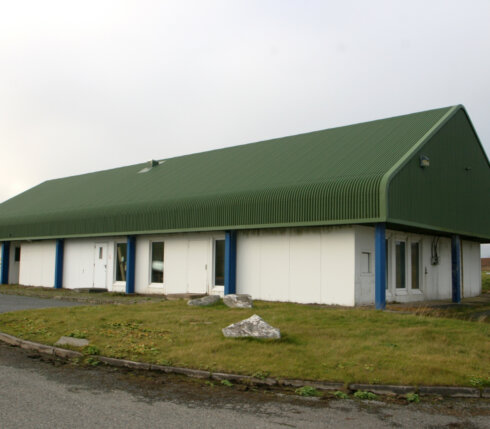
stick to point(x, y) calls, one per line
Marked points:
point(485, 282)
point(319, 343)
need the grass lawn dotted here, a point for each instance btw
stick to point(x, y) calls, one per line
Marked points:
point(319, 343)
point(485, 282)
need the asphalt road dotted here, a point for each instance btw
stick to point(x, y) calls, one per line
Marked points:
point(40, 392)
point(16, 302)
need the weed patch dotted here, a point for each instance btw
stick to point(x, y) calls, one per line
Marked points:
point(360, 394)
point(413, 397)
point(307, 391)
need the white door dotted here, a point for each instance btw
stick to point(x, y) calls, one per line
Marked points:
point(100, 265)
point(197, 266)
point(14, 264)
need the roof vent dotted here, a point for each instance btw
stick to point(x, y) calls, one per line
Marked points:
point(149, 165)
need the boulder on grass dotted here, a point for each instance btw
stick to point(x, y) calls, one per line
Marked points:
point(254, 327)
point(238, 301)
point(204, 301)
point(71, 341)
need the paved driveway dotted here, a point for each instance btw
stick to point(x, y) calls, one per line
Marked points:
point(16, 302)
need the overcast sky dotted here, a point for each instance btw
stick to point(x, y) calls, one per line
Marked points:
point(90, 85)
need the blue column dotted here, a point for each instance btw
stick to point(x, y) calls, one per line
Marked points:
point(130, 263)
point(230, 262)
point(4, 274)
point(58, 264)
point(380, 266)
point(456, 267)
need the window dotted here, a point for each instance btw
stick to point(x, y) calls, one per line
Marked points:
point(400, 264)
point(157, 253)
point(121, 262)
point(365, 262)
point(17, 254)
point(219, 263)
point(415, 263)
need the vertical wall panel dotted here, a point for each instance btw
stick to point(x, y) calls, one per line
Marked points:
point(248, 263)
point(471, 265)
point(305, 265)
point(338, 266)
point(78, 268)
point(37, 263)
point(274, 265)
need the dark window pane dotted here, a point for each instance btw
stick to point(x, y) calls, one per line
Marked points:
point(121, 262)
point(157, 262)
point(400, 264)
point(219, 263)
point(17, 254)
point(415, 266)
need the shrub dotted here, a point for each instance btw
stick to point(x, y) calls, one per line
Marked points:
point(365, 395)
point(413, 397)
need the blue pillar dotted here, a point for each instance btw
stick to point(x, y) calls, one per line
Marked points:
point(130, 263)
point(380, 266)
point(456, 267)
point(230, 262)
point(58, 264)
point(4, 274)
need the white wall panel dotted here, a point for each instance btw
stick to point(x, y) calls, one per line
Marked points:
point(37, 263)
point(305, 265)
point(78, 263)
point(437, 280)
point(309, 265)
point(364, 281)
point(274, 265)
point(471, 266)
point(338, 266)
point(248, 263)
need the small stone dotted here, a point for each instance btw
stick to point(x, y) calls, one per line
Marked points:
point(238, 301)
point(204, 301)
point(254, 327)
point(70, 341)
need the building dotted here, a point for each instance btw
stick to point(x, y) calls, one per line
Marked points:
point(389, 210)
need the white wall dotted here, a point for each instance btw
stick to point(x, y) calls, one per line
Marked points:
point(79, 259)
point(188, 264)
point(307, 265)
point(435, 281)
point(37, 263)
point(471, 266)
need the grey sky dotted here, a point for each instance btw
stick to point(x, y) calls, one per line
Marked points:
point(92, 85)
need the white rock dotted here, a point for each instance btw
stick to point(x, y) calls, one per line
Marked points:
point(238, 301)
point(254, 327)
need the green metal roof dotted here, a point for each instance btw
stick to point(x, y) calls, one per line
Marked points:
point(335, 176)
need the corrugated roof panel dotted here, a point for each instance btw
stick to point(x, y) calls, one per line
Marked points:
point(323, 177)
